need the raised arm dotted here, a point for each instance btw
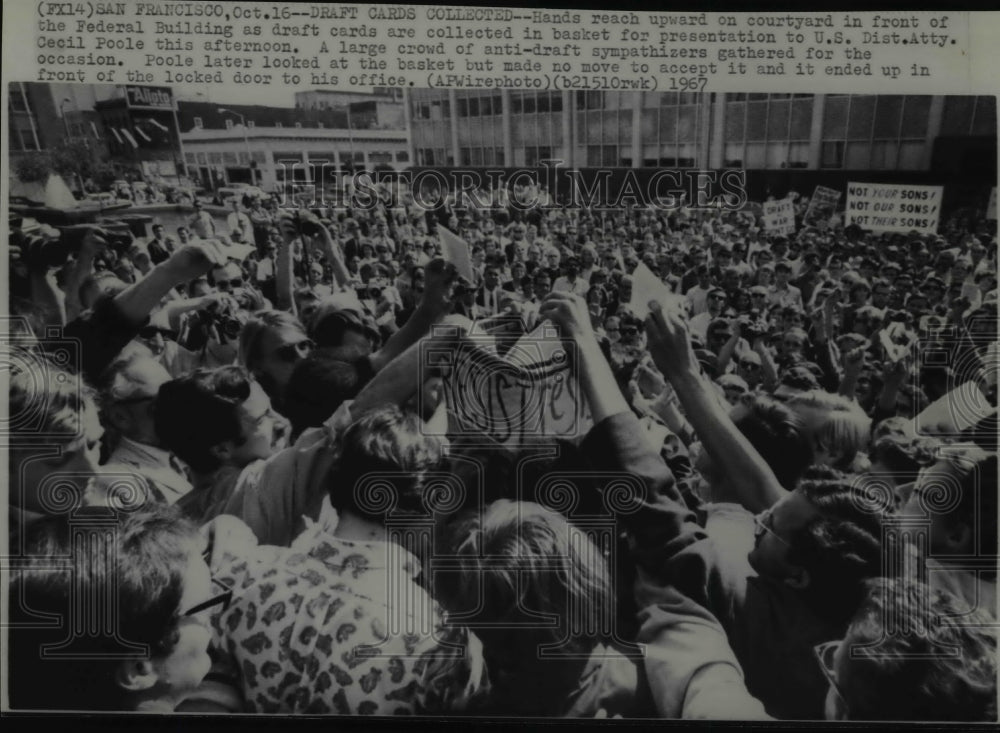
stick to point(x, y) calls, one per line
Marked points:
point(748, 474)
point(433, 306)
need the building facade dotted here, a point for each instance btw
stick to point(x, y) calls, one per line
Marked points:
point(690, 130)
point(270, 146)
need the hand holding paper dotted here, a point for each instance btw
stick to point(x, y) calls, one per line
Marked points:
point(456, 251)
point(646, 287)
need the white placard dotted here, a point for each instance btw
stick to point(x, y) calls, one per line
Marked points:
point(890, 207)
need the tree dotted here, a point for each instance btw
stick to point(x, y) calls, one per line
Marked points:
point(33, 167)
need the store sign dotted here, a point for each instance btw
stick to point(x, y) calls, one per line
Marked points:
point(149, 97)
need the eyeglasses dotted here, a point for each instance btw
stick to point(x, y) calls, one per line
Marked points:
point(136, 400)
point(763, 523)
point(825, 654)
point(149, 332)
point(296, 351)
point(222, 599)
point(716, 297)
point(225, 285)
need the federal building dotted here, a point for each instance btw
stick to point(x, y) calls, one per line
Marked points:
point(638, 129)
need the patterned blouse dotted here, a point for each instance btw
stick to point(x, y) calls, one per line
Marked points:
point(311, 630)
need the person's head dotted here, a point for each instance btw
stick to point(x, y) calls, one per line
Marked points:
point(183, 235)
point(491, 277)
point(158, 232)
point(151, 571)
point(543, 284)
point(344, 327)
point(716, 301)
point(227, 278)
point(776, 433)
point(734, 388)
point(838, 427)
point(215, 417)
point(49, 408)
point(272, 342)
point(517, 561)
point(749, 368)
point(793, 342)
point(318, 385)
point(128, 391)
point(782, 272)
point(793, 381)
point(946, 669)
point(823, 539)
point(957, 495)
point(718, 334)
point(382, 464)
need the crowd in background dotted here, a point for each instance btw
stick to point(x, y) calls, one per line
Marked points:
point(249, 400)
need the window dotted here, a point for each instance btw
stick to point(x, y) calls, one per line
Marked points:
point(18, 100)
point(402, 157)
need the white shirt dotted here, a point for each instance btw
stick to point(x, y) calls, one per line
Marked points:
point(237, 220)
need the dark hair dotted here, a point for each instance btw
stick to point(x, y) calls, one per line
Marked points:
point(139, 567)
point(318, 385)
point(198, 411)
point(946, 669)
point(800, 378)
point(779, 435)
point(381, 464)
point(842, 547)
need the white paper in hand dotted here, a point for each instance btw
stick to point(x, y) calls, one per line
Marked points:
point(646, 287)
point(456, 251)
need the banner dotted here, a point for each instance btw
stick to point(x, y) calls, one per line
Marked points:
point(779, 217)
point(822, 205)
point(530, 392)
point(890, 207)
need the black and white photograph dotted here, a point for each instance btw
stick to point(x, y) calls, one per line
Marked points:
point(500, 403)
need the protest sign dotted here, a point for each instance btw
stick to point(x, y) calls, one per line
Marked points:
point(779, 216)
point(456, 251)
point(822, 205)
point(646, 287)
point(890, 207)
point(958, 410)
point(512, 400)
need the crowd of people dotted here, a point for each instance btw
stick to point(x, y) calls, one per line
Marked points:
point(798, 529)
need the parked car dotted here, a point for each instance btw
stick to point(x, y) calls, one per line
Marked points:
point(237, 190)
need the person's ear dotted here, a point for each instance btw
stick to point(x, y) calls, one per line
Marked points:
point(799, 579)
point(959, 538)
point(223, 451)
point(136, 675)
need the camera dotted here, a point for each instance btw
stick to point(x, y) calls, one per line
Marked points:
point(199, 323)
point(307, 225)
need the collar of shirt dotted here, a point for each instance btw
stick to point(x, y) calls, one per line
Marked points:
point(378, 555)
